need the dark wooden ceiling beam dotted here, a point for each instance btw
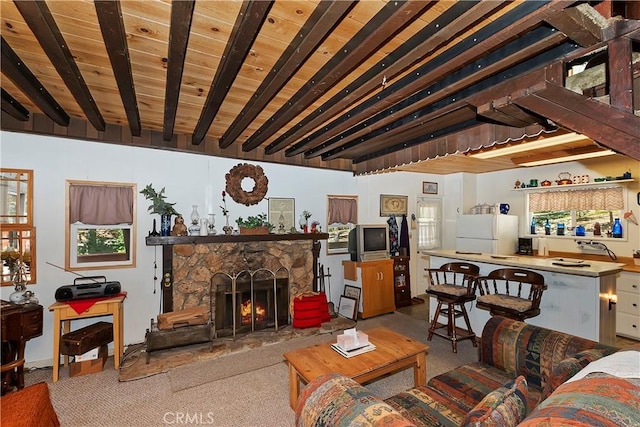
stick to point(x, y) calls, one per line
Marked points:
point(609, 126)
point(115, 39)
point(446, 26)
point(620, 73)
point(11, 106)
point(39, 19)
point(506, 28)
point(497, 115)
point(458, 127)
point(392, 19)
point(458, 112)
point(322, 21)
point(581, 23)
point(514, 59)
point(16, 70)
point(181, 18)
point(245, 30)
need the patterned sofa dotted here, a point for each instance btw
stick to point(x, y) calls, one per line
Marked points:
point(519, 380)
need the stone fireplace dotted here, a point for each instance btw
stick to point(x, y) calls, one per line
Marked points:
point(269, 271)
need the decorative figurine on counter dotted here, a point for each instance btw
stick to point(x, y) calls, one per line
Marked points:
point(596, 229)
point(179, 229)
point(517, 184)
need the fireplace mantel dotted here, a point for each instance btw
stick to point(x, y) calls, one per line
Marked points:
point(168, 243)
point(238, 238)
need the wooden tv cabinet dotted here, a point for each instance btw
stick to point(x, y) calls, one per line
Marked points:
point(375, 278)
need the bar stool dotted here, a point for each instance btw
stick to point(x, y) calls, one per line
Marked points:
point(511, 292)
point(453, 284)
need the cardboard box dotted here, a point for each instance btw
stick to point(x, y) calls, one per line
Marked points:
point(77, 369)
point(89, 355)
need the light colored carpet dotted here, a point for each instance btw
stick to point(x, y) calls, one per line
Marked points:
point(247, 389)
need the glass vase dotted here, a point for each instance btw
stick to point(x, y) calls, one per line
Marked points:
point(211, 228)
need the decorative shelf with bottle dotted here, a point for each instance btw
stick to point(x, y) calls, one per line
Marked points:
point(581, 185)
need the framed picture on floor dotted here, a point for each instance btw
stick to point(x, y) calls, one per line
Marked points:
point(352, 292)
point(348, 308)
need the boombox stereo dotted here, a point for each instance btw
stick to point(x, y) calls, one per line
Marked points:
point(87, 287)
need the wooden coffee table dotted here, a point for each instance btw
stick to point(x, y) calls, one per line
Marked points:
point(393, 352)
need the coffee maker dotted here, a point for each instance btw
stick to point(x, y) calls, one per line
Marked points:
point(525, 246)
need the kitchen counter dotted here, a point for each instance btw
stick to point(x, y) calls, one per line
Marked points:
point(591, 268)
point(576, 300)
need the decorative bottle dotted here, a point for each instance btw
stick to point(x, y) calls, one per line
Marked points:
point(547, 228)
point(533, 225)
point(617, 228)
point(194, 228)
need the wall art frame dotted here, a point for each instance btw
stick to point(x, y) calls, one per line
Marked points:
point(393, 205)
point(429, 187)
point(282, 214)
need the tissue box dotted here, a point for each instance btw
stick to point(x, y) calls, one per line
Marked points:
point(348, 342)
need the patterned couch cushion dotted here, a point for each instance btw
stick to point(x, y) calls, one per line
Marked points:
point(523, 349)
point(426, 406)
point(503, 407)
point(335, 400)
point(568, 368)
point(597, 400)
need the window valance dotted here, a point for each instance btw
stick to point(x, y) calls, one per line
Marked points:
point(584, 199)
point(100, 204)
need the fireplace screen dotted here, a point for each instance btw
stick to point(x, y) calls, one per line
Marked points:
point(243, 306)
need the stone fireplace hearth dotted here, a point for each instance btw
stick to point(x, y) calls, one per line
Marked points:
point(191, 262)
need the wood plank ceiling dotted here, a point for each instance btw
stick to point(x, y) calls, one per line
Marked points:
point(362, 86)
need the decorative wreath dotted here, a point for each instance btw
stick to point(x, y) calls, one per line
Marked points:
point(234, 184)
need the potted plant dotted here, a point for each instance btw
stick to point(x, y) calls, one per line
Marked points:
point(254, 224)
point(161, 207)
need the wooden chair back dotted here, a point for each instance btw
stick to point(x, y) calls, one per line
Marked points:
point(514, 282)
point(462, 274)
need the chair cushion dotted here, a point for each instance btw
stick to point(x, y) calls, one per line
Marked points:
point(453, 290)
point(503, 407)
point(506, 301)
point(597, 400)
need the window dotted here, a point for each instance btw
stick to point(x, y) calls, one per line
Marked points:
point(18, 235)
point(594, 209)
point(100, 225)
point(342, 216)
point(428, 222)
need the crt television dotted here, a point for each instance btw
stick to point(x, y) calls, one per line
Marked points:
point(369, 242)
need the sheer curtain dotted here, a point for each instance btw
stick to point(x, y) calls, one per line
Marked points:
point(429, 220)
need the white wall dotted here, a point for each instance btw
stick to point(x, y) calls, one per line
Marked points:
point(188, 178)
point(196, 179)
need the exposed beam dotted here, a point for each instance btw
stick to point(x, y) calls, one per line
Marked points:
point(181, 18)
point(581, 23)
point(115, 39)
point(245, 30)
point(609, 126)
point(453, 21)
point(515, 59)
point(39, 19)
point(393, 18)
point(507, 28)
point(12, 107)
point(620, 73)
point(322, 21)
point(13, 67)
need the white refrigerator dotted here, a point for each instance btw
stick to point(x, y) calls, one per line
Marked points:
point(487, 234)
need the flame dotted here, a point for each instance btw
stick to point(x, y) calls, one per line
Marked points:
point(246, 311)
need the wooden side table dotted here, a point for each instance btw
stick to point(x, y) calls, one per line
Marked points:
point(63, 314)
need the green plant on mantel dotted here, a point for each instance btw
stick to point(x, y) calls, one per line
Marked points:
point(259, 220)
point(159, 205)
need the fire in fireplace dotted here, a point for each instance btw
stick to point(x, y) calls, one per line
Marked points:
point(243, 306)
